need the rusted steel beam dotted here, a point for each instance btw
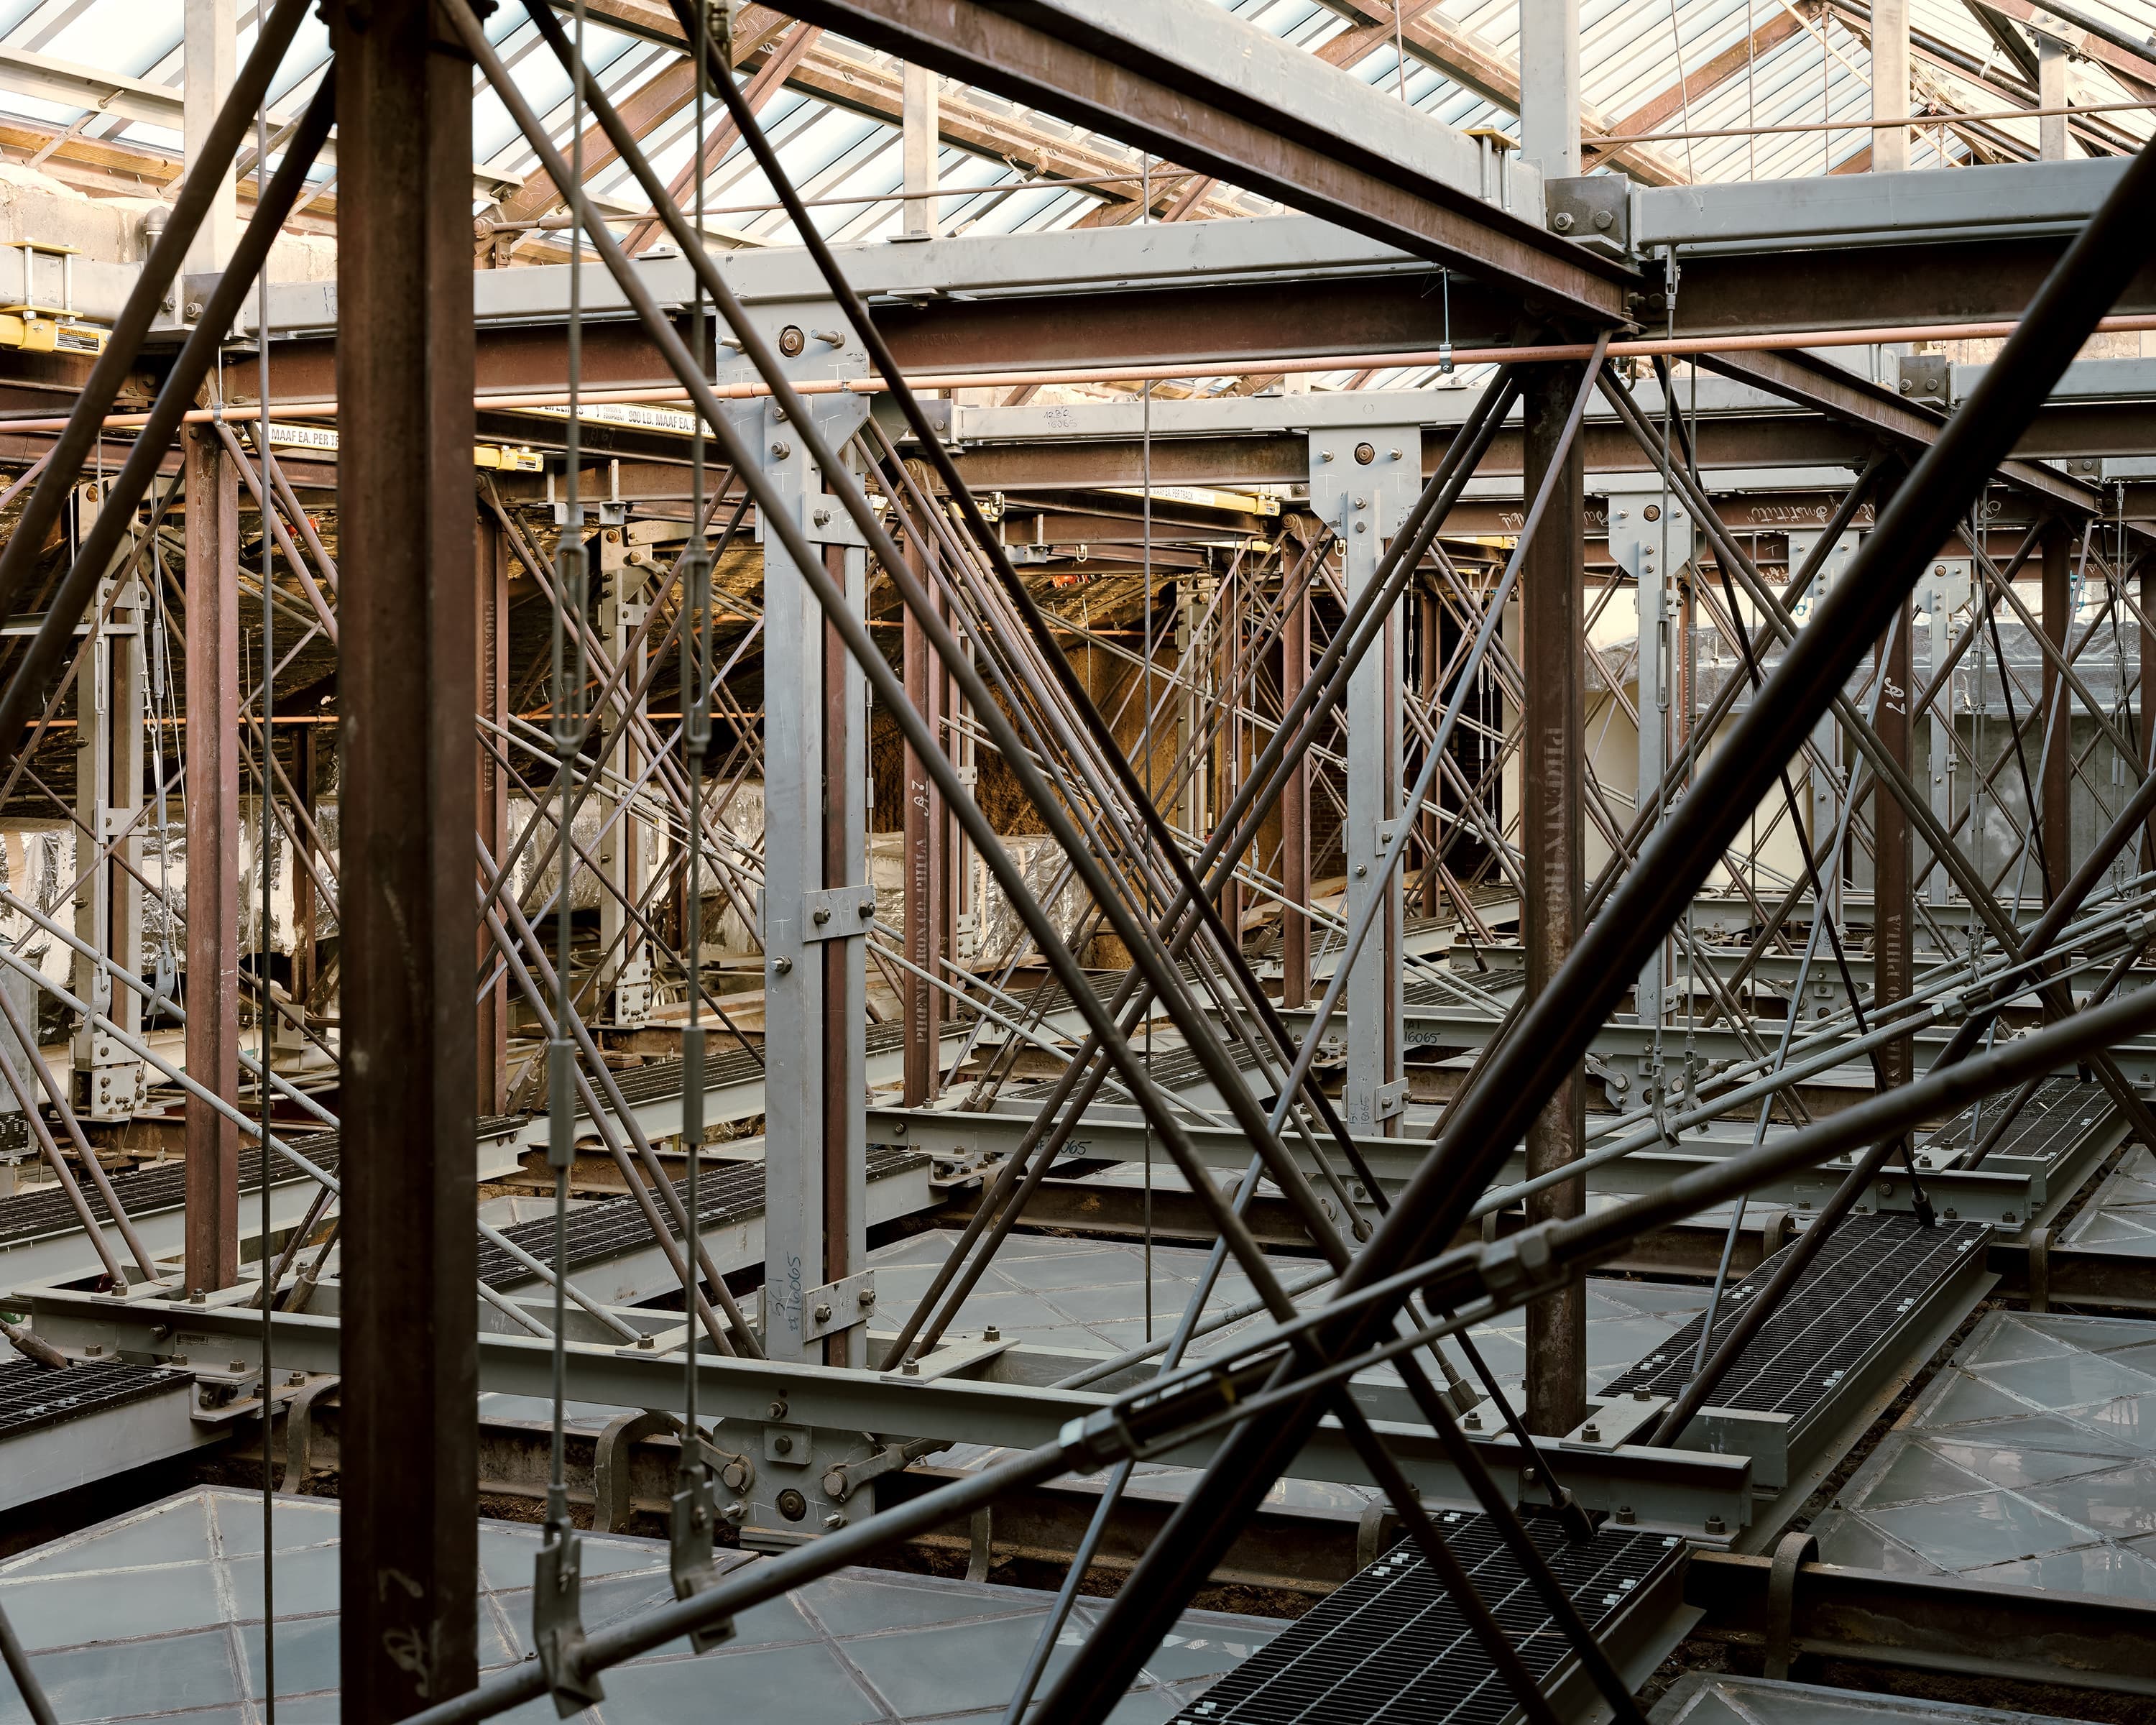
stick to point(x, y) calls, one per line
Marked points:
point(212, 745)
point(1553, 839)
point(404, 377)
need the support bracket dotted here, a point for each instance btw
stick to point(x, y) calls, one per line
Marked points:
point(837, 1306)
point(837, 912)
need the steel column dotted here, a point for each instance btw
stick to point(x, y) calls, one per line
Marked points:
point(109, 692)
point(490, 590)
point(1826, 787)
point(2146, 707)
point(1941, 597)
point(927, 886)
point(404, 362)
point(1295, 814)
point(1553, 794)
point(815, 1011)
point(1651, 539)
point(845, 1041)
point(212, 497)
point(625, 860)
point(209, 34)
point(2056, 732)
point(1549, 89)
point(1892, 911)
point(1365, 483)
point(1890, 83)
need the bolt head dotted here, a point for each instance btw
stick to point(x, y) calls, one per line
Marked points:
point(866, 1297)
point(822, 1312)
point(783, 1443)
point(1602, 219)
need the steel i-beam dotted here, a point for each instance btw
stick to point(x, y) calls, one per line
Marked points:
point(1362, 484)
point(410, 1552)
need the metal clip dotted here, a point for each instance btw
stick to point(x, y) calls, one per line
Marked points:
point(690, 1557)
point(558, 1622)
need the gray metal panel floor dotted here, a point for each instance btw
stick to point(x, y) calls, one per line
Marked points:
point(2030, 1461)
point(157, 1613)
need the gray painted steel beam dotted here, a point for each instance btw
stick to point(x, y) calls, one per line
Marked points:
point(1015, 1409)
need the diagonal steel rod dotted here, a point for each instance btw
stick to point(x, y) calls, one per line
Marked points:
point(1552, 1034)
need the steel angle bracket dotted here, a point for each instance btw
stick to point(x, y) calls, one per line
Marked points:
point(558, 1622)
point(837, 1306)
point(837, 912)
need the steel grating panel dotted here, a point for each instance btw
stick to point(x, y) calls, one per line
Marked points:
point(1391, 1645)
point(2062, 1113)
point(725, 1192)
point(32, 1396)
point(661, 1081)
point(159, 1186)
point(1874, 1271)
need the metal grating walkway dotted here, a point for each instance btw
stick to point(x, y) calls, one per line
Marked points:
point(160, 1186)
point(2058, 1115)
point(32, 1396)
point(725, 1192)
point(1391, 1646)
point(1867, 1277)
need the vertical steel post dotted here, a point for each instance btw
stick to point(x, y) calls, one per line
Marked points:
point(1892, 915)
point(2054, 132)
point(490, 590)
point(1890, 83)
point(409, 1571)
point(925, 885)
point(306, 780)
point(1549, 89)
point(815, 858)
point(109, 693)
point(1429, 655)
point(210, 39)
point(1941, 596)
point(2055, 734)
point(1294, 816)
point(624, 851)
point(1552, 579)
point(1826, 787)
point(1364, 481)
point(212, 497)
point(1650, 540)
point(918, 147)
point(843, 957)
point(2145, 706)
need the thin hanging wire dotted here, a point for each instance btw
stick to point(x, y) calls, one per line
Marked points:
point(264, 949)
point(567, 732)
point(1145, 875)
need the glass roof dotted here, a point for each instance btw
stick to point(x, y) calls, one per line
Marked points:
point(1702, 77)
